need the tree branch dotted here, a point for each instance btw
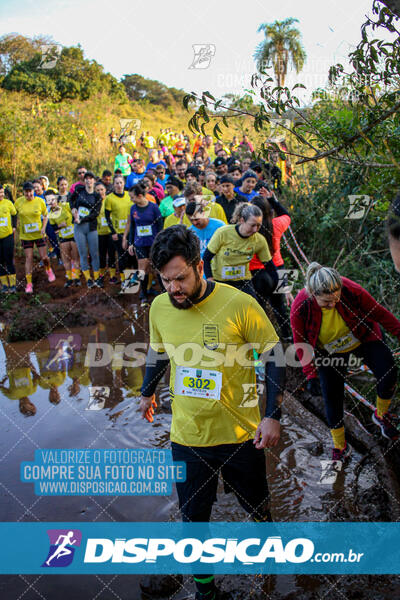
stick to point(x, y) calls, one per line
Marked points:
point(354, 137)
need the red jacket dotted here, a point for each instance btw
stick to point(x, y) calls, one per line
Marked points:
point(359, 310)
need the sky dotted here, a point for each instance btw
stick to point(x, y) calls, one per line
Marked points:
point(156, 39)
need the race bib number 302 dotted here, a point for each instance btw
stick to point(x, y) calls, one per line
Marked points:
point(198, 383)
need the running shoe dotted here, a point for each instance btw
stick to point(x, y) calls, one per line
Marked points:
point(341, 455)
point(386, 424)
point(50, 275)
point(68, 283)
point(4, 289)
point(12, 289)
point(100, 282)
point(77, 282)
point(29, 288)
point(90, 283)
point(113, 280)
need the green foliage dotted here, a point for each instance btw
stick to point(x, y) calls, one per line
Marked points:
point(72, 77)
point(140, 89)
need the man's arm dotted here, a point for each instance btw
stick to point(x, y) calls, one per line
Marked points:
point(268, 431)
point(156, 365)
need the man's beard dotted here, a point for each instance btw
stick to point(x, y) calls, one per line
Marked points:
point(190, 300)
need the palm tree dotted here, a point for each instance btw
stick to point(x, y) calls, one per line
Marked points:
point(282, 44)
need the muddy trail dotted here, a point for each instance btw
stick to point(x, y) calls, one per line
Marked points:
point(303, 488)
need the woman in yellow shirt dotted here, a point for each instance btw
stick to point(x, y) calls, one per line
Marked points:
point(331, 318)
point(117, 208)
point(32, 230)
point(106, 244)
point(60, 217)
point(8, 222)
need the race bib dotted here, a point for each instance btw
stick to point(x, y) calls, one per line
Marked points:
point(104, 222)
point(198, 383)
point(143, 230)
point(122, 223)
point(237, 272)
point(83, 212)
point(3, 222)
point(67, 231)
point(342, 344)
point(31, 227)
point(21, 382)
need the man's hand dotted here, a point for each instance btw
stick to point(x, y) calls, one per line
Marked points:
point(147, 406)
point(267, 434)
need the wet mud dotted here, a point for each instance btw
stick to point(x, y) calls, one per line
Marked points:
point(365, 490)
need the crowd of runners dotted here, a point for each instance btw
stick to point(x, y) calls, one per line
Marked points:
point(203, 222)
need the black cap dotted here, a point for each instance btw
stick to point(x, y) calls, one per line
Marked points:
point(89, 174)
point(192, 171)
point(227, 179)
point(219, 161)
point(28, 186)
point(176, 182)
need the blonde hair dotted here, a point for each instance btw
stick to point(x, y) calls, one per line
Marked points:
point(322, 280)
point(245, 210)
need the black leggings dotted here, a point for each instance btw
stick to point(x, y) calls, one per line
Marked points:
point(376, 355)
point(264, 287)
point(7, 266)
point(106, 251)
point(125, 260)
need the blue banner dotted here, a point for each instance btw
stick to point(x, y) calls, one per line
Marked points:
point(230, 548)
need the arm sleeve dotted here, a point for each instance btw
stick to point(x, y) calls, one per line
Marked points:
point(108, 219)
point(271, 270)
point(131, 234)
point(97, 207)
point(275, 378)
point(156, 365)
point(304, 350)
point(207, 258)
point(277, 206)
point(158, 221)
point(72, 199)
point(14, 221)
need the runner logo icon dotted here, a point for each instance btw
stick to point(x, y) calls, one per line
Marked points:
point(62, 547)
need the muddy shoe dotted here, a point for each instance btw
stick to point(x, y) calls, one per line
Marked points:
point(387, 425)
point(155, 586)
point(341, 455)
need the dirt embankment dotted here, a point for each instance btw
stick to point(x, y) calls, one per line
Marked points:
point(51, 306)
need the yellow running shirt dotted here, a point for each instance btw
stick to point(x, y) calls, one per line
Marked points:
point(21, 383)
point(233, 253)
point(29, 217)
point(119, 208)
point(66, 232)
point(335, 335)
point(216, 211)
point(7, 209)
point(102, 226)
point(212, 374)
point(174, 220)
